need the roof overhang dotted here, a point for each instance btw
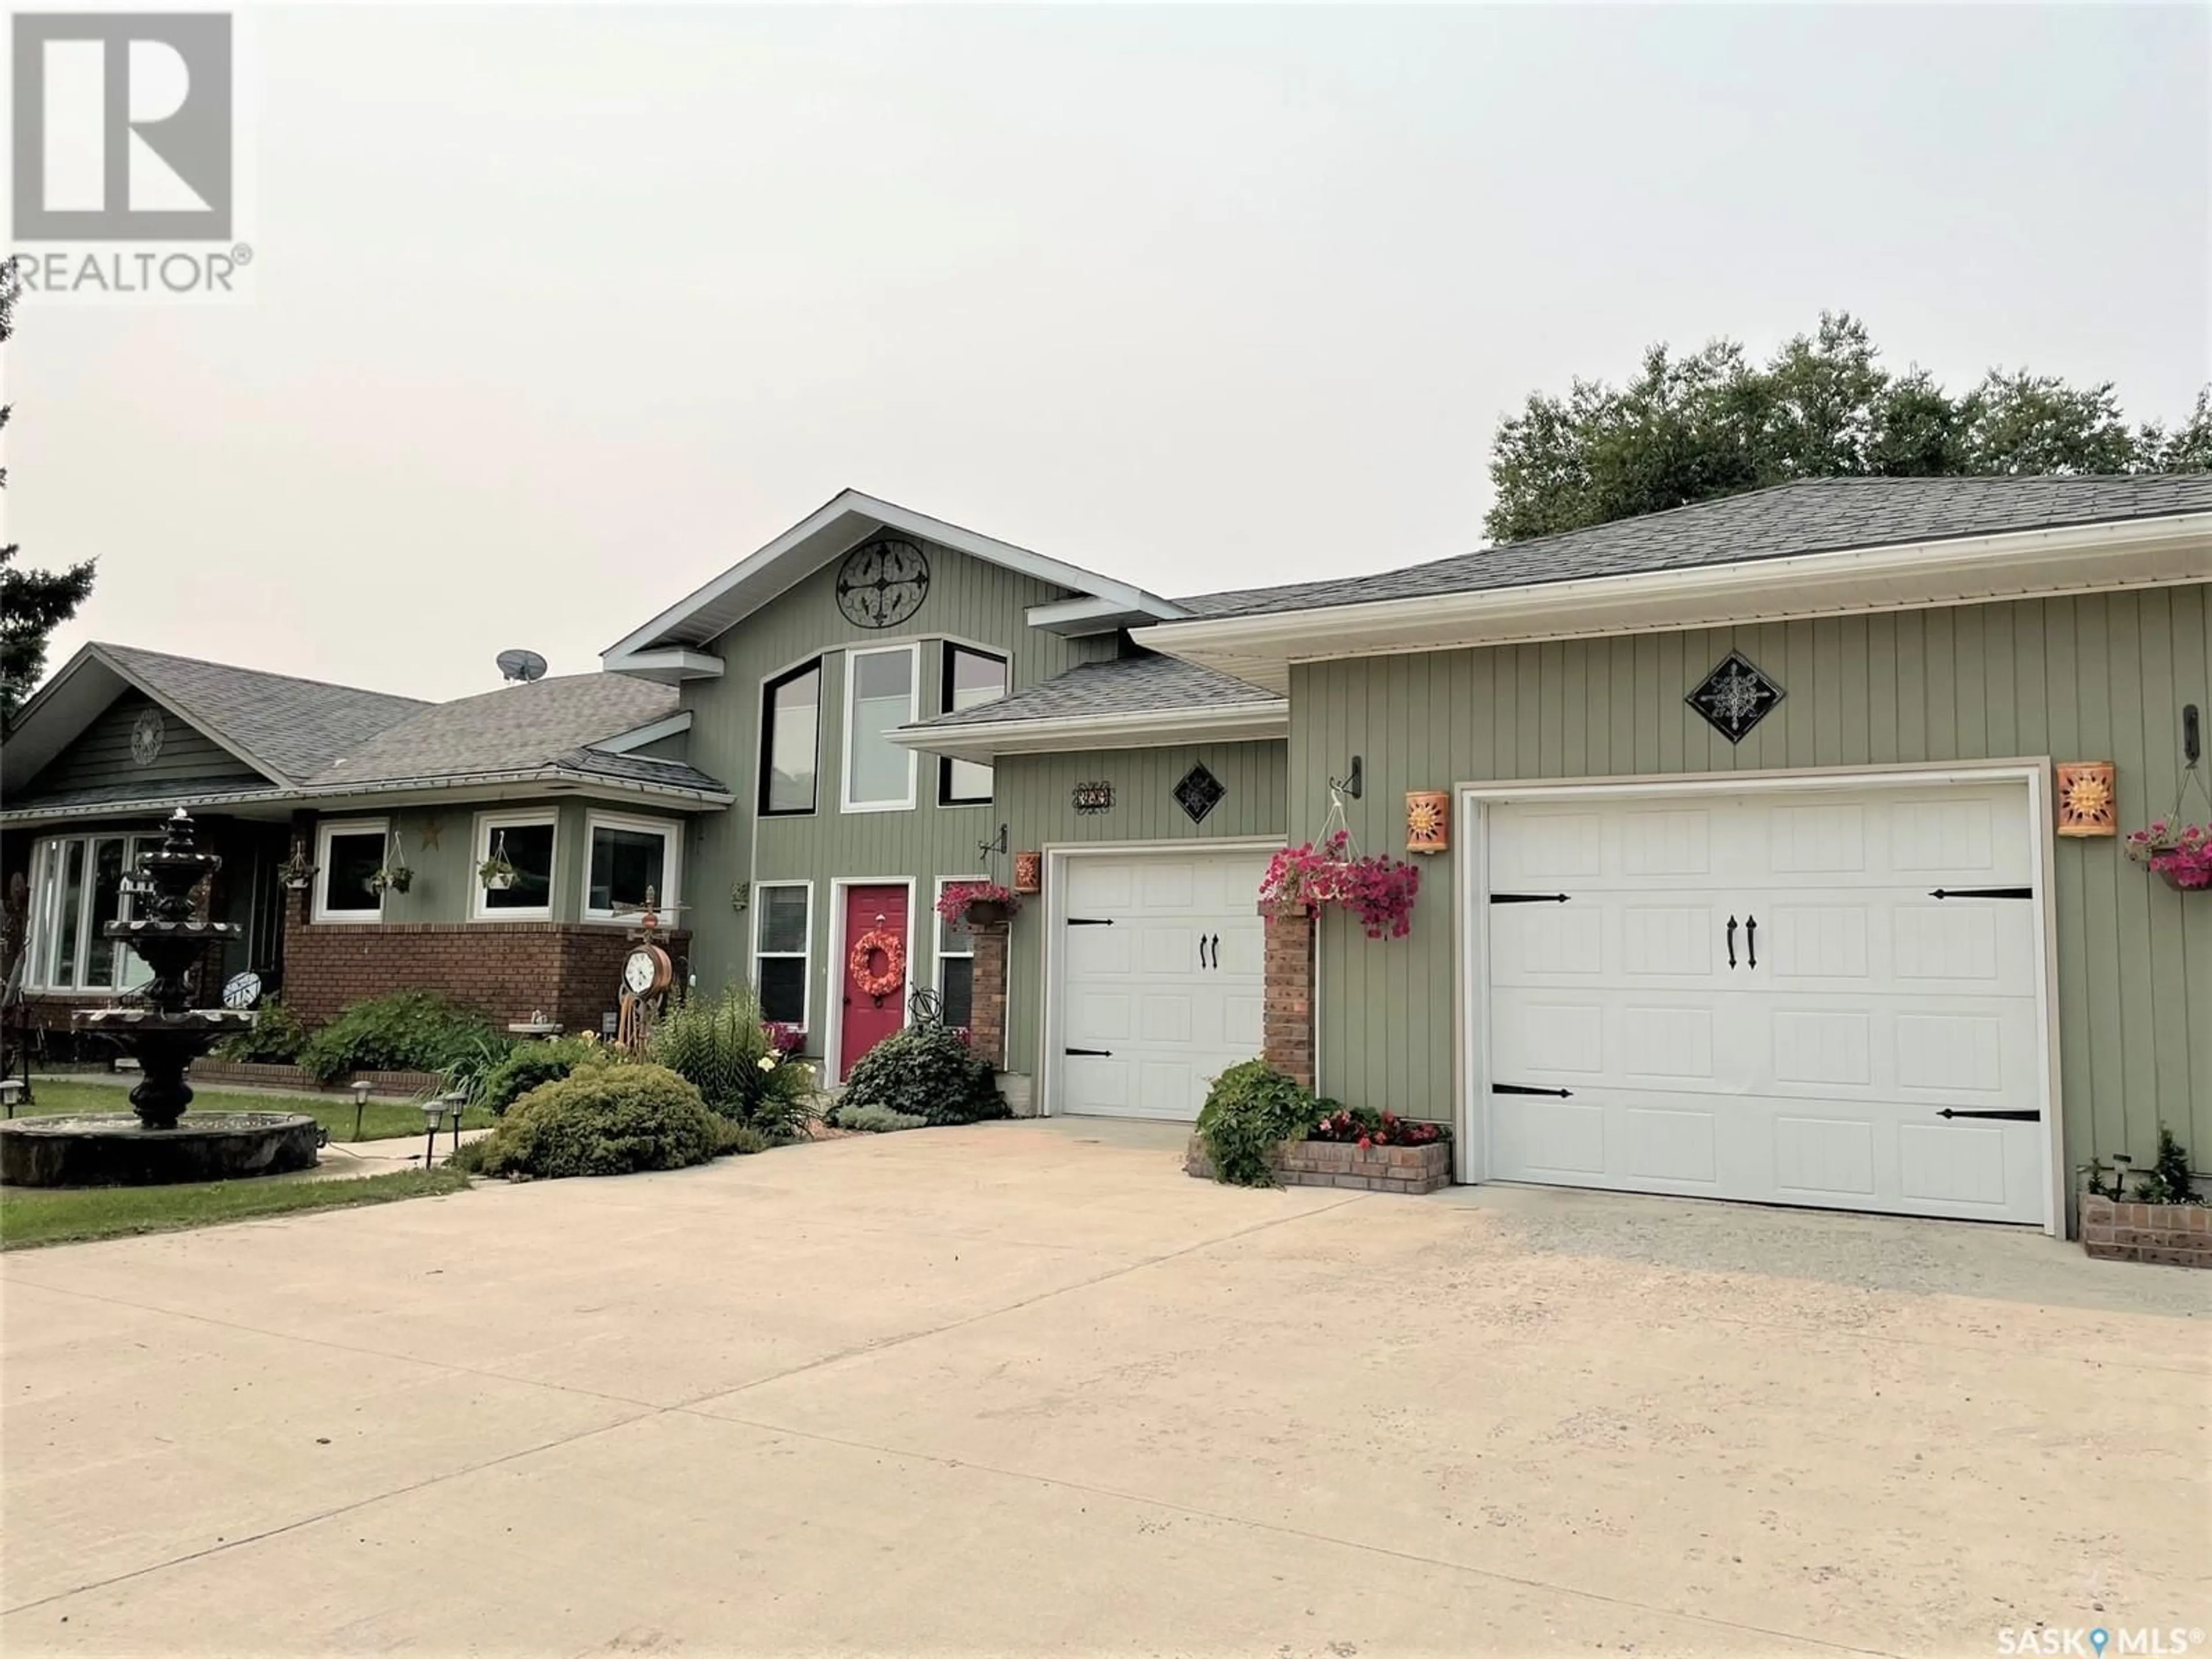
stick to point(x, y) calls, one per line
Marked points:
point(77, 694)
point(987, 740)
point(1964, 570)
point(638, 737)
point(668, 646)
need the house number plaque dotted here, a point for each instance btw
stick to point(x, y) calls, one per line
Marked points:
point(1091, 798)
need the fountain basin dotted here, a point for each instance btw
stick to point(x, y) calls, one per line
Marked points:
point(111, 1149)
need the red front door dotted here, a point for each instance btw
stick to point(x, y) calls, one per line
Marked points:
point(874, 917)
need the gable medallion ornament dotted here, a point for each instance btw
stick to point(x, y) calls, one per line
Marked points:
point(1735, 696)
point(883, 582)
point(146, 734)
point(1198, 793)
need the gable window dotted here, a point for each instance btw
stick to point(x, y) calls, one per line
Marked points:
point(524, 840)
point(791, 739)
point(881, 693)
point(956, 965)
point(972, 678)
point(783, 930)
point(631, 857)
point(76, 889)
point(346, 855)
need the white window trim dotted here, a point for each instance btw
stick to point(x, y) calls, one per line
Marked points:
point(939, 954)
point(42, 916)
point(941, 774)
point(806, 955)
point(486, 825)
point(913, 653)
point(380, 827)
point(670, 832)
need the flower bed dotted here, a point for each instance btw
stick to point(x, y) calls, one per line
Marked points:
point(1420, 1169)
point(209, 1072)
point(2179, 1235)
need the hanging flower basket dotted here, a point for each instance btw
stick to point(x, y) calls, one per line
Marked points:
point(1378, 890)
point(973, 904)
point(296, 873)
point(2178, 854)
point(394, 878)
point(496, 874)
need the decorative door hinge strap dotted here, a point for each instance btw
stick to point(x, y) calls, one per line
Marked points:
point(1528, 1089)
point(1529, 898)
point(1091, 922)
point(1982, 892)
point(2010, 1117)
point(1101, 1053)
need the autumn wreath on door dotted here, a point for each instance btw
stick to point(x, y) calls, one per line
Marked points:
point(859, 964)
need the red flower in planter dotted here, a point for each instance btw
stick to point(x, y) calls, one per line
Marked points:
point(1366, 1143)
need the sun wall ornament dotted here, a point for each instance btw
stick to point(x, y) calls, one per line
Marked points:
point(2088, 798)
point(1428, 820)
point(1735, 696)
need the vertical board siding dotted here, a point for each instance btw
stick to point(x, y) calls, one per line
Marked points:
point(970, 601)
point(1036, 802)
point(2095, 677)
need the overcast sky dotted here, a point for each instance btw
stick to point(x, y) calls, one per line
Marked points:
point(560, 311)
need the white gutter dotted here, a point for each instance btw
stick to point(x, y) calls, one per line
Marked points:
point(983, 740)
point(554, 779)
point(2090, 558)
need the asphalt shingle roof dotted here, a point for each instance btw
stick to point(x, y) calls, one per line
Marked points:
point(1128, 685)
point(297, 726)
point(515, 728)
point(638, 768)
point(1814, 516)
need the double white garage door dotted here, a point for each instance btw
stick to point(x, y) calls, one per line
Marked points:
point(1160, 979)
point(1818, 997)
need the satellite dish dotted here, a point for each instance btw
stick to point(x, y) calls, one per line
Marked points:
point(523, 665)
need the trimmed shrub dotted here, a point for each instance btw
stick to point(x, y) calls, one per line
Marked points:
point(926, 1071)
point(407, 1031)
point(601, 1120)
point(527, 1066)
point(1251, 1109)
point(875, 1120)
point(737, 1138)
point(275, 1038)
point(723, 1048)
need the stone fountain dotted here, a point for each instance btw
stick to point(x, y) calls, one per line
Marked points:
point(165, 1036)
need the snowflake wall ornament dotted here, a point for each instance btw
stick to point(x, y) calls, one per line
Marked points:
point(1735, 696)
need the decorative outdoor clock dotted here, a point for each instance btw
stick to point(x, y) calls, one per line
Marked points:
point(883, 582)
point(648, 971)
point(146, 735)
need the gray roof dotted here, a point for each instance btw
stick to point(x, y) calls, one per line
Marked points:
point(1814, 516)
point(1128, 685)
point(516, 728)
point(295, 727)
point(638, 768)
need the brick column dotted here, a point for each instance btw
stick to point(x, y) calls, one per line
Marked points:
point(987, 1034)
point(1287, 993)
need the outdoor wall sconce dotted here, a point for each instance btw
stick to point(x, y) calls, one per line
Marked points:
point(2088, 798)
point(1028, 872)
point(1352, 783)
point(1428, 820)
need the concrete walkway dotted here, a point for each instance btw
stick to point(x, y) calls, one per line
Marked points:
point(1024, 1387)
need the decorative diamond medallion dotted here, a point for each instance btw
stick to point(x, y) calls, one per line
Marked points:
point(1198, 793)
point(1735, 698)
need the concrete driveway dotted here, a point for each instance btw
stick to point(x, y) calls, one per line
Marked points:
point(1025, 1387)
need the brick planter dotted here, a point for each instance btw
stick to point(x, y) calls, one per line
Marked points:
point(1340, 1163)
point(2179, 1235)
point(214, 1074)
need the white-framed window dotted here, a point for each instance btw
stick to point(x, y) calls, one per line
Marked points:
point(972, 678)
point(348, 852)
point(783, 941)
point(883, 691)
point(76, 889)
point(955, 963)
point(791, 739)
point(625, 857)
point(524, 840)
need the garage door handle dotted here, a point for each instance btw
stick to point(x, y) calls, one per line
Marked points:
point(1751, 940)
point(1731, 941)
point(1097, 1053)
point(1529, 1088)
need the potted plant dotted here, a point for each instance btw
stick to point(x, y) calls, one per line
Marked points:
point(2180, 854)
point(973, 904)
point(496, 873)
point(395, 876)
point(1377, 889)
point(296, 873)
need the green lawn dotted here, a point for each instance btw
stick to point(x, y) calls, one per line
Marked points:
point(29, 1219)
point(380, 1119)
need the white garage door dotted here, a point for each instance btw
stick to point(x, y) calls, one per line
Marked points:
point(1160, 979)
point(1821, 998)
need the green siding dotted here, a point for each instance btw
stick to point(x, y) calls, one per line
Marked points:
point(2101, 678)
point(101, 755)
point(970, 601)
point(1036, 804)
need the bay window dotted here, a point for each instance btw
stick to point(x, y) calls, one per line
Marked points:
point(347, 855)
point(525, 841)
point(630, 858)
point(76, 889)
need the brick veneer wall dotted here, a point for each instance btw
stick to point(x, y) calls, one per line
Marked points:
point(2179, 1235)
point(986, 1029)
point(1287, 994)
point(511, 969)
